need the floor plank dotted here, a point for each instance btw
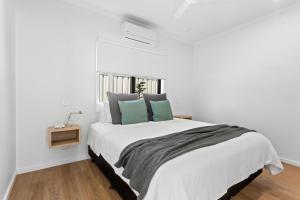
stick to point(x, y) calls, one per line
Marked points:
point(83, 180)
point(285, 186)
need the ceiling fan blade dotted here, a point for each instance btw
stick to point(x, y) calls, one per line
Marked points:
point(187, 3)
point(181, 10)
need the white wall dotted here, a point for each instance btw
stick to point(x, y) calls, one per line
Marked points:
point(250, 77)
point(7, 96)
point(55, 60)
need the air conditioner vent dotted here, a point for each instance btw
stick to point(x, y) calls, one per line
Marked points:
point(139, 34)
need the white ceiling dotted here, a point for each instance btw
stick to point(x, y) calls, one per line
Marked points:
point(207, 17)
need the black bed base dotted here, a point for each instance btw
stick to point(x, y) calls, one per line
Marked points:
point(127, 194)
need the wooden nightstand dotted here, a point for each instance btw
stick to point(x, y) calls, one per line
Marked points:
point(184, 117)
point(62, 137)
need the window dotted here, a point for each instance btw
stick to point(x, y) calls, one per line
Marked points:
point(107, 82)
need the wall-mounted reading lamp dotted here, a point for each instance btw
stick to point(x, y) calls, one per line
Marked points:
point(79, 112)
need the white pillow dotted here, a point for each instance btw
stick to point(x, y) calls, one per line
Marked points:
point(104, 112)
point(107, 113)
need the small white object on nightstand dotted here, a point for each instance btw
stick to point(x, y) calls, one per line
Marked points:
point(59, 126)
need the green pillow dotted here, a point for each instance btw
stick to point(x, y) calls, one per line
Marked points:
point(133, 111)
point(161, 110)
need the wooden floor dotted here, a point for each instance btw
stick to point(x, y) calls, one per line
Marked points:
point(83, 180)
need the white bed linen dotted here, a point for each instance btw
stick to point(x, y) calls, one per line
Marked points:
point(203, 174)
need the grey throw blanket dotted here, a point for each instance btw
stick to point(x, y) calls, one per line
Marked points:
point(141, 159)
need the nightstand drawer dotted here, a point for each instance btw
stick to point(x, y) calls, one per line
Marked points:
point(61, 137)
point(184, 117)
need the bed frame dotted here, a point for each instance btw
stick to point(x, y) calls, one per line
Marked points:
point(127, 194)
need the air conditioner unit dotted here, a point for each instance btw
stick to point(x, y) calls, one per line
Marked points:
point(139, 34)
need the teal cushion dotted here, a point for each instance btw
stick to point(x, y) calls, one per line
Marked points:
point(134, 111)
point(161, 110)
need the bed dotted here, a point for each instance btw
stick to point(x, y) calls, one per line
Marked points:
point(210, 173)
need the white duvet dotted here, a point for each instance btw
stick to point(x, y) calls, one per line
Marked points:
point(203, 174)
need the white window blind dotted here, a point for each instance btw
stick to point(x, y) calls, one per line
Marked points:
point(118, 83)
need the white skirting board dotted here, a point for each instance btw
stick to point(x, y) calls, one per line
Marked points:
point(10, 185)
point(291, 162)
point(26, 169)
